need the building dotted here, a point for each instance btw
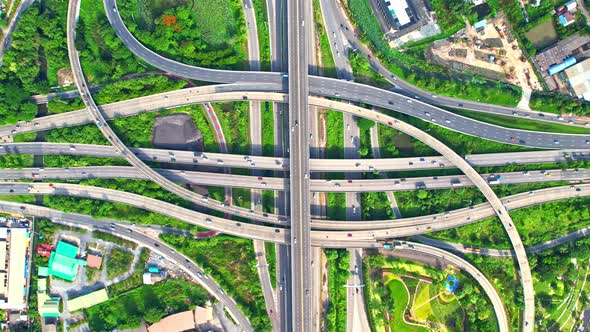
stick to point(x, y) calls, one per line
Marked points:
point(567, 18)
point(181, 321)
point(93, 261)
point(578, 77)
point(400, 11)
point(48, 306)
point(451, 284)
point(63, 263)
point(44, 249)
point(88, 300)
point(14, 289)
point(557, 68)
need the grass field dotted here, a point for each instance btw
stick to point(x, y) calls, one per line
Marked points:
point(268, 129)
point(400, 298)
point(235, 122)
point(535, 224)
point(335, 134)
point(118, 263)
point(520, 123)
point(328, 67)
point(263, 33)
point(336, 206)
point(375, 206)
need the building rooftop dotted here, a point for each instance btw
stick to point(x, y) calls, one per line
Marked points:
point(93, 261)
point(88, 300)
point(181, 321)
point(17, 279)
point(579, 79)
point(398, 8)
point(63, 263)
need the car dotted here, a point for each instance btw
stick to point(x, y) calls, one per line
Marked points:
point(221, 291)
point(349, 181)
point(349, 235)
point(208, 220)
point(555, 141)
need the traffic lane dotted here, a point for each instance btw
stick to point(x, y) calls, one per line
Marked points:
point(388, 100)
point(199, 73)
point(252, 231)
point(280, 163)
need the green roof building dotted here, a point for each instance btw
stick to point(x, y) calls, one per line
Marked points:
point(63, 263)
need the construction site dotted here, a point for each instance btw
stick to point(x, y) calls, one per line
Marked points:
point(486, 48)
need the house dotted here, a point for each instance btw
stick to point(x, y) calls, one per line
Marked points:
point(93, 261)
point(567, 18)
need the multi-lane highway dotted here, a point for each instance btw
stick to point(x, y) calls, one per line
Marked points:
point(358, 92)
point(338, 89)
point(299, 166)
point(280, 163)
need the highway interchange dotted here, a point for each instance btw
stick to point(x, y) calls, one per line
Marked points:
point(293, 225)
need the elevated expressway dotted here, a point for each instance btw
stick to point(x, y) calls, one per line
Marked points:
point(126, 231)
point(331, 234)
point(271, 183)
point(299, 166)
point(358, 93)
point(96, 115)
point(280, 163)
point(336, 89)
point(250, 91)
point(345, 33)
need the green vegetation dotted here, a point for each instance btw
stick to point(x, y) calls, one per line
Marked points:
point(425, 202)
point(376, 206)
point(85, 134)
point(268, 129)
point(460, 143)
point(268, 201)
point(103, 56)
point(235, 123)
point(60, 105)
point(135, 280)
point(148, 302)
point(365, 146)
point(537, 16)
point(103, 209)
point(114, 239)
point(363, 73)
point(118, 263)
point(338, 261)
point(336, 206)
point(209, 33)
point(558, 103)
point(135, 131)
point(399, 297)
point(519, 123)
point(271, 259)
point(503, 276)
point(328, 67)
point(231, 262)
point(335, 133)
point(16, 161)
point(394, 143)
point(136, 87)
point(468, 308)
point(535, 224)
point(241, 197)
point(80, 161)
point(412, 67)
point(451, 14)
point(30, 65)
point(561, 285)
point(263, 32)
